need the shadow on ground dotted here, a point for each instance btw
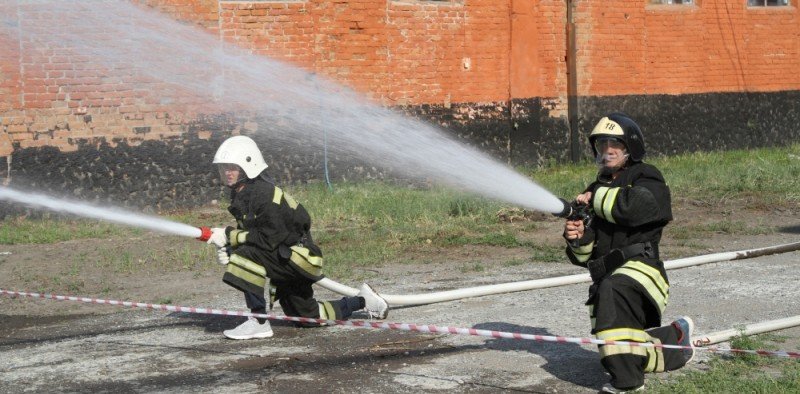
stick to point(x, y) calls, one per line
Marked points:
point(565, 361)
point(790, 230)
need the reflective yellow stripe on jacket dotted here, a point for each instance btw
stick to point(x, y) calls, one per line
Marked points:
point(603, 202)
point(247, 270)
point(237, 237)
point(279, 194)
point(302, 257)
point(582, 253)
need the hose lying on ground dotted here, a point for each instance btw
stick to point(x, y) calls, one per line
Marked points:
point(456, 294)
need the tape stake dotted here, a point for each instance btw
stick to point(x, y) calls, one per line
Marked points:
point(387, 325)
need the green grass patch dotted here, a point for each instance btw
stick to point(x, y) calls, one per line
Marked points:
point(514, 262)
point(766, 176)
point(547, 253)
point(499, 238)
point(207, 217)
point(563, 180)
point(736, 227)
point(362, 225)
point(380, 203)
point(473, 266)
point(724, 226)
point(47, 231)
point(738, 373)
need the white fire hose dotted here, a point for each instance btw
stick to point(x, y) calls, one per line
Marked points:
point(752, 329)
point(450, 295)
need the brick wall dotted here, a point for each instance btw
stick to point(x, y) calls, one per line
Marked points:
point(53, 95)
point(538, 49)
point(398, 53)
point(627, 47)
point(486, 51)
point(10, 83)
point(204, 13)
point(407, 53)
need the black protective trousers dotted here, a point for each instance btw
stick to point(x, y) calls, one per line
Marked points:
point(621, 310)
point(296, 297)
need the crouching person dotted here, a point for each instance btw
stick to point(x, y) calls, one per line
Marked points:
point(631, 205)
point(271, 245)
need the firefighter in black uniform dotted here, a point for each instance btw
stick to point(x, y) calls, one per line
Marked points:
point(619, 244)
point(272, 240)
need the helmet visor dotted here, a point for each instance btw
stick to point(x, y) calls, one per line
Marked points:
point(611, 152)
point(603, 143)
point(230, 174)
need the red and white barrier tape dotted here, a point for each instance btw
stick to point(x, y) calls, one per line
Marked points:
point(389, 326)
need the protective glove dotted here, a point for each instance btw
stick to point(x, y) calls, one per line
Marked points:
point(222, 256)
point(218, 237)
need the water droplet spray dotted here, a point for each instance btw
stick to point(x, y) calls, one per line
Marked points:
point(138, 46)
point(94, 212)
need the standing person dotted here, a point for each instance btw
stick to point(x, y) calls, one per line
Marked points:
point(620, 247)
point(272, 239)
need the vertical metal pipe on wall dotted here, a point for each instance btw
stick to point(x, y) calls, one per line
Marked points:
point(572, 84)
point(512, 125)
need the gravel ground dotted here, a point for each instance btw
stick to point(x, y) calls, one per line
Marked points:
point(149, 351)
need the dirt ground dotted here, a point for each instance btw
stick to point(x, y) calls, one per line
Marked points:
point(50, 346)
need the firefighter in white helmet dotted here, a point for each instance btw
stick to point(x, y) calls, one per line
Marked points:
point(619, 244)
point(272, 244)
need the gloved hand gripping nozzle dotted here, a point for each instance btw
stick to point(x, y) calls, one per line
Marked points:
point(216, 237)
point(575, 211)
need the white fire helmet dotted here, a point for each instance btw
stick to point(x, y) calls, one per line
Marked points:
point(242, 151)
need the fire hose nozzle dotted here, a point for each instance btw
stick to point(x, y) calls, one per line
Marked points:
point(567, 211)
point(205, 233)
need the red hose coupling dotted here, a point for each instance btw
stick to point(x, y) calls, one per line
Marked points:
point(205, 233)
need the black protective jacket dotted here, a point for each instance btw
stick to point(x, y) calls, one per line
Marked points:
point(271, 222)
point(633, 208)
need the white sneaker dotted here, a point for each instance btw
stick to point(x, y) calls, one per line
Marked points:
point(375, 305)
point(250, 329)
point(609, 388)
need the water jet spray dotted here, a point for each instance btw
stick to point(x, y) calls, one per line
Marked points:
point(112, 215)
point(170, 60)
point(203, 233)
point(173, 57)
